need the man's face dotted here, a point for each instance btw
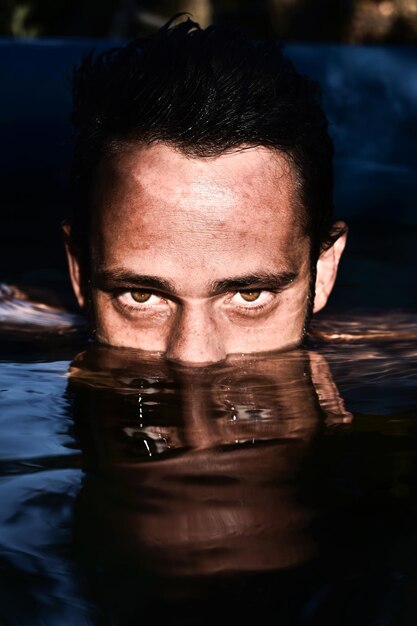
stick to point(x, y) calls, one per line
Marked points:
point(198, 259)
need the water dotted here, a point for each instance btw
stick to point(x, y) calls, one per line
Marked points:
point(274, 489)
point(134, 490)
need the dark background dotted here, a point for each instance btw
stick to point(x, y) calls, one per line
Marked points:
point(363, 54)
point(347, 21)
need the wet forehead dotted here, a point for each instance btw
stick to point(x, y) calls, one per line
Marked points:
point(189, 210)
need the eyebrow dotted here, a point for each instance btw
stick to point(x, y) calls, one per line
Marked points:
point(120, 278)
point(272, 282)
point(108, 280)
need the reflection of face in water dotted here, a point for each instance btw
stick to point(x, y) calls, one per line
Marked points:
point(195, 472)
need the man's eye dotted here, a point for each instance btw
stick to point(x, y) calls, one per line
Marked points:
point(251, 299)
point(141, 300)
point(250, 296)
point(141, 296)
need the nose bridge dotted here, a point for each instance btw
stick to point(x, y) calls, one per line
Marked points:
point(195, 337)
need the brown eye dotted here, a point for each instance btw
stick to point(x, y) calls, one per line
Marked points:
point(140, 296)
point(250, 296)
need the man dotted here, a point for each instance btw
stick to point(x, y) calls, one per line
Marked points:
point(202, 225)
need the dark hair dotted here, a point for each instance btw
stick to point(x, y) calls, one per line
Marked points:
point(206, 92)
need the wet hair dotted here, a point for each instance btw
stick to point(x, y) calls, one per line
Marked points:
point(205, 92)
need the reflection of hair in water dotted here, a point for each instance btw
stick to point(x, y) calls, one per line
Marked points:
point(213, 505)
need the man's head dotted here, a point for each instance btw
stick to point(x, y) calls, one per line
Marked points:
point(202, 224)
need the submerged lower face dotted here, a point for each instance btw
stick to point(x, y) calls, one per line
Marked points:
point(198, 259)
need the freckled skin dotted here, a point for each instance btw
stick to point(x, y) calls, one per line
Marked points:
point(194, 221)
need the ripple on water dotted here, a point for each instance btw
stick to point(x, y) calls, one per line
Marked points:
point(194, 474)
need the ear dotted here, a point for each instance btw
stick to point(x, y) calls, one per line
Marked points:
point(327, 265)
point(74, 263)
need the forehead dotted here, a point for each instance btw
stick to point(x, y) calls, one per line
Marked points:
point(193, 208)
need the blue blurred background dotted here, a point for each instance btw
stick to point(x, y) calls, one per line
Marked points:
point(369, 82)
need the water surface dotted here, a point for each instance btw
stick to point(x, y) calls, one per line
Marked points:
point(282, 485)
